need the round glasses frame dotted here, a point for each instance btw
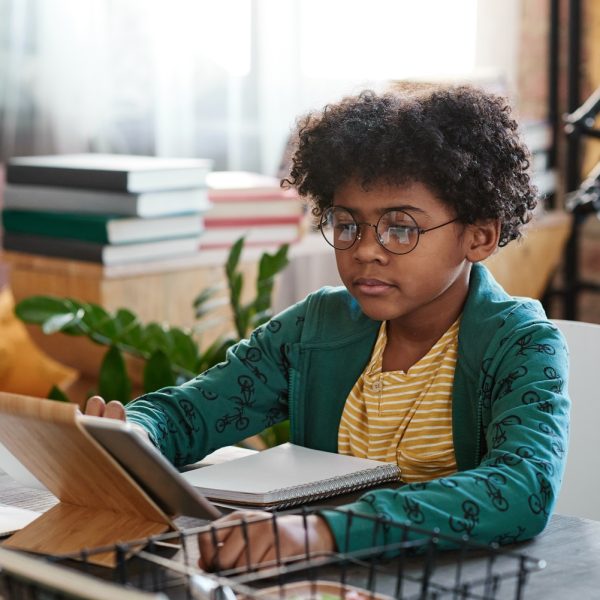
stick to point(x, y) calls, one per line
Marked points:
point(378, 236)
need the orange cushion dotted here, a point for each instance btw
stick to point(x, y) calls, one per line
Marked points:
point(24, 368)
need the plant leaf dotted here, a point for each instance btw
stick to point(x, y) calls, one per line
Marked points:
point(184, 349)
point(60, 322)
point(124, 318)
point(155, 338)
point(207, 294)
point(276, 434)
point(94, 314)
point(114, 382)
point(233, 258)
point(38, 309)
point(158, 372)
point(243, 318)
point(270, 264)
point(235, 286)
point(107, 328)
point(56, 393)
point(134, 336)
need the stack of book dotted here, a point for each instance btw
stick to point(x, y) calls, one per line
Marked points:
point(251, 205)
point(105, 208)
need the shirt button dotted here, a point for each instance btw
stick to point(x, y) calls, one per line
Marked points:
point(377, 386)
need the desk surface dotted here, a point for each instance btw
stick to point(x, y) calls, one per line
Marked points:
point(570, 546)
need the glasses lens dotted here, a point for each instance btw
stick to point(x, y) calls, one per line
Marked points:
point(339, 228)
point(398, 232)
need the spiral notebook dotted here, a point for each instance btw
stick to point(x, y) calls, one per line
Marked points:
point(288, 475)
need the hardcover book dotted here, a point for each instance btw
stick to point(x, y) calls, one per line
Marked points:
point(119, 172)
point(219, 233)
point(78, 200)
point(231, 184)
point(102, 229)
point(106, 254)
point(255, 207)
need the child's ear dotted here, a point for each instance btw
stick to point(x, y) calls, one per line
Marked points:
point(482, 239)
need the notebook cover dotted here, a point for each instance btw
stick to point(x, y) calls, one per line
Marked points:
point(288, 474)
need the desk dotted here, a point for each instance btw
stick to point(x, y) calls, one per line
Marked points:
point(570, 546)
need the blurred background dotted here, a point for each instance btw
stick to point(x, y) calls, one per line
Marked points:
point(227, 79)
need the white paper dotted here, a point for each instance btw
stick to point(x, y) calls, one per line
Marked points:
point(13, 467)
point(12, 519)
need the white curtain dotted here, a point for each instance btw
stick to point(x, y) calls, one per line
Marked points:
point(223, 79)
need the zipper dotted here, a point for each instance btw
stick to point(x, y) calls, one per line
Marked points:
point(292, 376)
point(479, 427)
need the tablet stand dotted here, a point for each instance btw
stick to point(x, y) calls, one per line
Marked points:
point(99, 503)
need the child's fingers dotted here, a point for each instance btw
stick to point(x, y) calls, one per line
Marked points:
point(222, 546)
point(269, 555)
point(249, 540)
point(245, 549)
point(209, 544)
point(115, 410)
point(222, 549)
point(95, 406)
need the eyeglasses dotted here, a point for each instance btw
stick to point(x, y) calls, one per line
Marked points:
point(396, 230)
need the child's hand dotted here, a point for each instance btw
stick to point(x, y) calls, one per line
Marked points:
point(231, 548)
point(97, 407)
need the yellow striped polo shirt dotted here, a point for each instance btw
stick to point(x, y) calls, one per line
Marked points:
point(404, 417)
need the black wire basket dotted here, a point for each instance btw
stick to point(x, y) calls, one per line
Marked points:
point(166, 566)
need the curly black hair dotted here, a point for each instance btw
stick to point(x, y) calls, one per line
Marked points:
point(459, 141)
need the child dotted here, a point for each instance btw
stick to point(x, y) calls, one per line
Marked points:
point(422, 358)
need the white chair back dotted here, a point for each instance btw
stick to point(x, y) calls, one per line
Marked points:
point(580, 493)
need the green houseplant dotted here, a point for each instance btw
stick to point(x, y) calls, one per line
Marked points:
point(170, 355)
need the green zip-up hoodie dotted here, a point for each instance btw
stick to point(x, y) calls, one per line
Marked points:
point(510, 410)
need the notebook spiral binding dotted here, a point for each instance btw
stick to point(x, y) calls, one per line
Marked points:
point(301, 494)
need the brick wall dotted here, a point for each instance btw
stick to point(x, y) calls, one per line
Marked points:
point(533, 83)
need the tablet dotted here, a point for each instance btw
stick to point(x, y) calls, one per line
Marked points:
point(149, 468)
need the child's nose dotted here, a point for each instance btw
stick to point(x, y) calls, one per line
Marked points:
point(367, 246)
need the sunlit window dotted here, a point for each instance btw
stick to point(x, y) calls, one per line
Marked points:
point(223, 79)
point(388, 39)
point(220, 31)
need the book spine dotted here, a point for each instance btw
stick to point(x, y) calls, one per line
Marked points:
point(57, 247)
point(80, 178)
point(54, 226)
point(43, 198)
point(250, 221)
point(225, 196)
point(267, 244)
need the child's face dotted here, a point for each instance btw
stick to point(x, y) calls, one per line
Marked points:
point(429, 283)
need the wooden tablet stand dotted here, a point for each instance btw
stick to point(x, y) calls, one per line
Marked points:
point(99, 503)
